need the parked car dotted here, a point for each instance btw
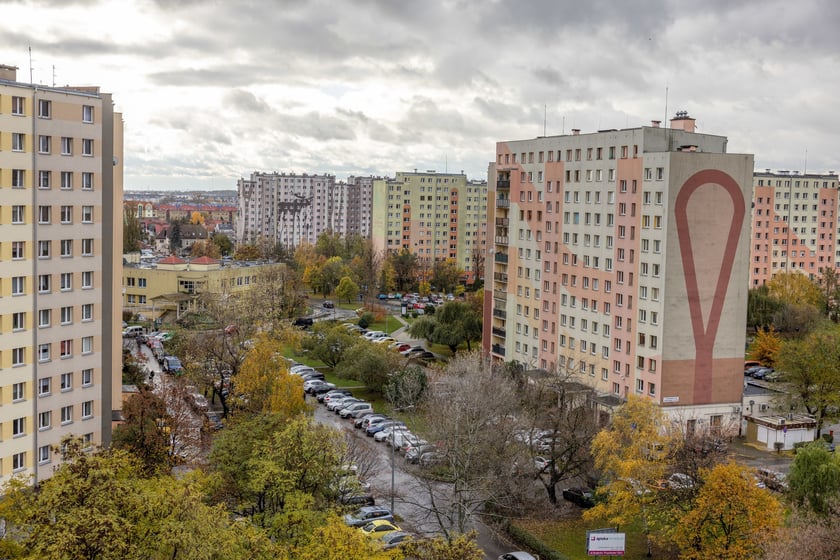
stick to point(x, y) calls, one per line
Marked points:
point(372, 420)
point(332, 392)
point(357, 422)
point(366, 514)
point(413, 350)
point(357, 499)
point(303, 322)
point(519, 555)
point(171, 364)
point(425, 356)
point(332, 397)
point(300, 368)
point(413, 455)
point(310, 384)
point(372, 429)
point(393, 540)
point(337, 404)
point(371, 335)
point(430, 458)
point(384, 340)
point(215, 420)
point(328, 305)
point(411, 441)
point(580, 496)
point(355, 409)
point(322, 388)
point(772, 479)
point(379, 528)
point(387, 433)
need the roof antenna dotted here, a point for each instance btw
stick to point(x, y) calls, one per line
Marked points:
point(545, 113)
point(666, 105)
point(30, 65)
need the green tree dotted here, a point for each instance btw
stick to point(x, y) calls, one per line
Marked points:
point(330, 245)
point(331, 273)
point(132, 234)
point(730, 518)
point(455, 323)
point(829, 283)
point(223, 242)
point(795, 288)
point(404, 265)
point(814, 479)
point(811, 367)
point(369, 363)
point(445, 275)
point(459, 547)
point(406, 387)
point(761, 308)
point(175, 237)
point(144, 430)
point(329, 343)
point(347, 289)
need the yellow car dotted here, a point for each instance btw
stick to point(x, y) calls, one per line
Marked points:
point(378, 528)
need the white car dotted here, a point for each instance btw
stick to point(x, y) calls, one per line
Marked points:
point(384, 340)
point(371, 335)
point(354, 408)
point(385, 435)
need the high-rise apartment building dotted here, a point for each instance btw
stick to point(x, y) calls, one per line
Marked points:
point(621, 257)
point(794, 224)
point(359, 205)
point(61, 248)
point(436, 216)
point(290, 208)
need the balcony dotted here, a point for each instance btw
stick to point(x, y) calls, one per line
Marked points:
point(500, 276)
point(498, 349)
point(501, 258)
point(502, 183)
point(500, 295)
point(500, 313)
point(502, 222)
point(502, 240)
point(502, 203)
point(498, 331)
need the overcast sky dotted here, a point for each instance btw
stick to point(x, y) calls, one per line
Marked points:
point(213, 90)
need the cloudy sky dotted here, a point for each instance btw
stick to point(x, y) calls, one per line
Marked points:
point(213, 90)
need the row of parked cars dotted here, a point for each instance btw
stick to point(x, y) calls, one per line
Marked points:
point(410, 351)
point(758, 371)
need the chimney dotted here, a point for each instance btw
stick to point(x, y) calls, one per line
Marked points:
point(8, 73)
point(575, 132)
point(682, 122)
point(655, 124)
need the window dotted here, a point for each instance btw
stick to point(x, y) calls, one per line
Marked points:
point(18, 321)
point(44, 316)
point(44, 420)
point(66, 214)
point(44, 107)
point(87, 180)
point(66, 247)
point(18, 426)
point(66, 348)
point(44, 179)
point(87, 377)
point(87, 279)
point(18, 285)
point(18, 105)
point(44, 143)
point(67, 180)
point(17, 214)
point(87, 247)
point(18, 141)
point(87, 344)
point(66, 146)
point(44, 249)
point(87, 113)
point(18, 392)
point(44, 386)
point(87, 214)
point(18, 355)
point(44, 454)
point(19, 461)
point(66, 315)
point(87, 312)
point(44, 214)
point(18, 178)
point(66, 414)
point(44, 351)
point(87, 409)
point(18, 250)
point(66, 281)
point(87, 146)
point(66, 381)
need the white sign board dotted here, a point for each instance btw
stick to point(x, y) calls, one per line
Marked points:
point(670, 399)
point(605, 544)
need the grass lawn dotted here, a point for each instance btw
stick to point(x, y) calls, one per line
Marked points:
point(568, 536)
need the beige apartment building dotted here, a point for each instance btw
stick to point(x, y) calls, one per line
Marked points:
point(61, 247)
point(794, 224)
point(435, 216)
point(621, 257)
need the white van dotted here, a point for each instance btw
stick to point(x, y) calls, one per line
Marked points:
point(133, 331)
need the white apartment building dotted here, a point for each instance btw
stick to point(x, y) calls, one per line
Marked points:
point(621, 257)
point(61, 248)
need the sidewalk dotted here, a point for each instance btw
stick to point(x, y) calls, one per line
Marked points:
point(754, 457)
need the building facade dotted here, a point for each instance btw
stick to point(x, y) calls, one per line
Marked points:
point(621, 258)
point(290, 208)
point(61, 247)
point(435, 216)
point(794, 224)
point(359, 205)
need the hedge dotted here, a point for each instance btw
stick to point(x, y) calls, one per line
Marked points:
point(531, 541)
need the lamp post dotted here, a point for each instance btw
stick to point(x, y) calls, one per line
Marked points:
point(393, 470)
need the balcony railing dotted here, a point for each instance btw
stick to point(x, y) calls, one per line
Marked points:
point(498, 331)
point(498, 349)
point(500, 276)
point(502, 183)
point(502, 222)
point(501, 257)
point(500, 295)
point(501, 240)
point(500, 313)
point(502, 203)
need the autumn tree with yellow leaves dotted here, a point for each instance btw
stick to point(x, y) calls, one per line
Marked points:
point(265, 384)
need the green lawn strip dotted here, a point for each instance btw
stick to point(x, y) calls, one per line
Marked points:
point(568, 536)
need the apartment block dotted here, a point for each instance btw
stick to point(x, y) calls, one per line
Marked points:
point(436, 216)
point(290, 208)
point(794, 224)
point(621, 258)
point(61, 248)
point(359, 205)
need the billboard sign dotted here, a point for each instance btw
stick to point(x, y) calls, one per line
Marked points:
point(605, 544)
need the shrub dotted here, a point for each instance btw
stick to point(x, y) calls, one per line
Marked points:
point(530, 541)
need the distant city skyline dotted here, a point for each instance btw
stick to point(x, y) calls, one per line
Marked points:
point(214, 91)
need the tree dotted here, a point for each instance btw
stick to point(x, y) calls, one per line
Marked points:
point(347, 289)
point(336, 541)
point(455, 323)
point(795, 288)
point(730, 518)
point(811, 367)
point(205, 249)
point(196, 217)
point(175, 237)
point(277, 297)
point(445, 275)
point(247, 253)
point(477, 260)
point(404, 265)
point(330, 245)
point(329, 343)
point(761, 308)
point(460, 547)
point(265, 384)
point(830, 286)
point(132, 234)
point(814, 479)
point(406, 387)
point(143, 431)
point(223, 243)
point(765, 347)
point(369, 363)
point(806, 536)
